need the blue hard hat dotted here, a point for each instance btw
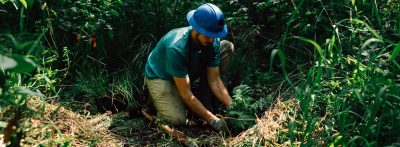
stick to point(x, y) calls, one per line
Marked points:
point(208, 20)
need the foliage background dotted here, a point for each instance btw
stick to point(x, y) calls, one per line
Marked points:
point(339, 59)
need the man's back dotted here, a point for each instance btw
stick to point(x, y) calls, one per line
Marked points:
point(170, 57)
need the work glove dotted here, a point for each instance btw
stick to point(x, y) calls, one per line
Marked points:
point(219, 125)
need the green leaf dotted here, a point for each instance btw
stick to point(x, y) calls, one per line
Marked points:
point(15, 3)
point(113, 12)
point(24, 3)
point(395, 52)
point(26, 91)
point(18, 64)
point(30, 3)
point(337, 141)
point(111, 34)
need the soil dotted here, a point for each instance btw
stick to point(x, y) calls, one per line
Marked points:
point(139, 131)
point(113, 102)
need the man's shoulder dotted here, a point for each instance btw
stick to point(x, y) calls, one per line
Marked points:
point(178, 38)
point(177, 33)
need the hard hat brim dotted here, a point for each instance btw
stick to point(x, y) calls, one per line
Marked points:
point(203, 31)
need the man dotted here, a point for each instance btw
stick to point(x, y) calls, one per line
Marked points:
point(184, 55)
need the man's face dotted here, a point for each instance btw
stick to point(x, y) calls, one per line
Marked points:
point(204, 40)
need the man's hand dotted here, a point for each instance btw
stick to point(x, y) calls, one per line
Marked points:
point(219, 125)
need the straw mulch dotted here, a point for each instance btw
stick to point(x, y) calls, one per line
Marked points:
point(60, 126)
point(269, 127)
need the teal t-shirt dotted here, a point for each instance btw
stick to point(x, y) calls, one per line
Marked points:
point(172, 56)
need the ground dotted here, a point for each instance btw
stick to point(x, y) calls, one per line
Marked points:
point(141, 132)
point(57, 125)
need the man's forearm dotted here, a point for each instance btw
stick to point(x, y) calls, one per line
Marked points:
point(183, 86)
point(195, 105)
point(220, 91)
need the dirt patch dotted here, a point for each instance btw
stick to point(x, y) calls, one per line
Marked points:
point(112, 102)
point(141, 132)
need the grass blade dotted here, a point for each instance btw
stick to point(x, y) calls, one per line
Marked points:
point(369, 41)
point(23, 2)
point(395, 52)
point(36, 42)
point(350, 142)
point(292, 127)
point(331, 44)
point(21, 21)
point(319, 50)
point(283, 66)
point(375, 10)
point(394, 55)
point(368, 27)
point(316, 45)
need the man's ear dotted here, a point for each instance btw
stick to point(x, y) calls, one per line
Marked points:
point(196, 33)
point(193, 33)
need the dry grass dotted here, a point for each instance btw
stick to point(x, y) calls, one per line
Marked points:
point(60, 126)
point(267, 129)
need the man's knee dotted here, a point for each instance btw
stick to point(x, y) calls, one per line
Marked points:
point(227, 49)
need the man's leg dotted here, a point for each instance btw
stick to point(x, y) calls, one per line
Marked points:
point(206, 96)
point(227, 49)
point(166, 100)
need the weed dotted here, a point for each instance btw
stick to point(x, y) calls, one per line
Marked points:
point(244, 108)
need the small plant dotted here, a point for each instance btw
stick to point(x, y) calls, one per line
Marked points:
point(244, 108)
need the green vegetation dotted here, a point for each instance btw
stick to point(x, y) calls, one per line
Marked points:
point(317, 73)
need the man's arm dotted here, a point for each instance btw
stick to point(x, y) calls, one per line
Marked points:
point(217, 86)
point(183, 86)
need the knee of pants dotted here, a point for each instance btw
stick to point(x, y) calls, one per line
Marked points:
point(227, 49)
point(175, 119)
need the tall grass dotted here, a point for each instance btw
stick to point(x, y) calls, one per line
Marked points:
point(135, 70)
point(350, 96)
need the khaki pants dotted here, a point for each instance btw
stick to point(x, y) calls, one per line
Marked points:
point(165, 97)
